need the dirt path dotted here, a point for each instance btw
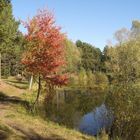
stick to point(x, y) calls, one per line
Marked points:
point(9, 99)
point(9, 95)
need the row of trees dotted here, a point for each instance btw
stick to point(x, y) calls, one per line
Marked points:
point(43, 33)
point(46, 49)
point(13, 43)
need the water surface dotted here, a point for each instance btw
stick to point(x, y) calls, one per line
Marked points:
point(81, 110)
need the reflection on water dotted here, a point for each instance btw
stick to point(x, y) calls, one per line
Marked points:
point(89, 111)
point(92, 123)
point(82, 110)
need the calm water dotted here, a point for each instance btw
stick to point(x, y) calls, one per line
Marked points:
point(92, 123)
point(82, 110)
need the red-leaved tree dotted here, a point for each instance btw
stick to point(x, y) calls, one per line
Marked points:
point(44, 55)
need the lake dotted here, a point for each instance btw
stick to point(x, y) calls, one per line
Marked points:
point(83, 110)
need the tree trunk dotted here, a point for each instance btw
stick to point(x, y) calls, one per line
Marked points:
point(39, 90)
point(57, 100)
point(0, 66)
point(31, 82)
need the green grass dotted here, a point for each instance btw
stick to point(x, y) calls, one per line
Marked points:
point(17, 122)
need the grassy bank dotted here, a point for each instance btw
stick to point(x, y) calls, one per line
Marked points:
point(17, 124)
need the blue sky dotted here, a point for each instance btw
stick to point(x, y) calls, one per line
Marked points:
point(92, 21)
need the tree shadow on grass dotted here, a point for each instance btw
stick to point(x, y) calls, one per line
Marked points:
point(30, 134)
point(13, 99)
point(18, 82)
point(22, 85)
point(25, 134)
point(3, 135)
point(4, 132)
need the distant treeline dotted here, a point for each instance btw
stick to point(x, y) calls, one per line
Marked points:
point(85, 62)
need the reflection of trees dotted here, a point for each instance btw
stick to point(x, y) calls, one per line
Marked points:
point(125, 105)
point(77, 103)
point(88, 100)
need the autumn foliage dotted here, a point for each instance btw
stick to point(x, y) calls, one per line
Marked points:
point(45, 49)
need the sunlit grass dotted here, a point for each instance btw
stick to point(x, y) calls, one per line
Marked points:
point(17, 83)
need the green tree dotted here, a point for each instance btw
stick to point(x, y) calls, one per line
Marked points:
point(124, 104)
point(8, 37)
point(123, 97)
point(91, 79)
point(124, 62)
point(135, 29)
point(90, 56)
point(72, 56)
point(82, 78)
